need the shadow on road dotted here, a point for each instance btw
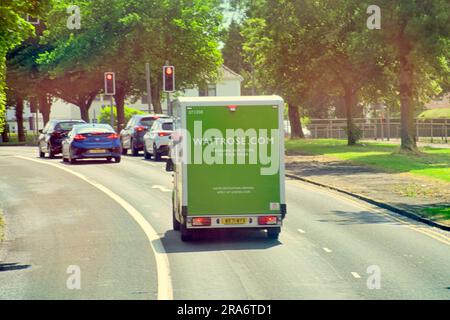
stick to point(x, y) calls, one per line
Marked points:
point(218, 240)
point(362, 217)
point(13, 266)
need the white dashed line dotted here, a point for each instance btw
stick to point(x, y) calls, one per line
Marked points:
point(301, 231)
point(356, 275)
point(327, 250)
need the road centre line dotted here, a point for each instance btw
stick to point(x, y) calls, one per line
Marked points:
point(165, 291)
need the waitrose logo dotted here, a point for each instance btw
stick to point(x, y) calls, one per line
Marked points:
point(232, 147)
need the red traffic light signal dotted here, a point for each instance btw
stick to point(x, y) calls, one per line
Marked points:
point(110, 83)
point(169, 78)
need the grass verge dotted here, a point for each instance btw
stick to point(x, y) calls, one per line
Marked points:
point(431, 162)
point(441, 214)
point(30, 139)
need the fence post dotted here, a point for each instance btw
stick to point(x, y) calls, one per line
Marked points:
point(446, 131)
point(432, 133)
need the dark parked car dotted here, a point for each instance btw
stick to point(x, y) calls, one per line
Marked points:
point(91, 141)
point(50, 137)
point(131, 137)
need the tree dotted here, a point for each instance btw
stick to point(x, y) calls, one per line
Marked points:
point(13, 30)
point(416, 38)
point(122, 35)
point(313, 47)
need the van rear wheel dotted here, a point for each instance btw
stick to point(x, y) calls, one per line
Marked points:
point(186, 234)
point(273, 233)
point(175, 223)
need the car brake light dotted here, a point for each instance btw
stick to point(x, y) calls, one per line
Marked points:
point(267, 220)
point(201, 221)
point(140, 128)
point(113, 136)
point(79, 137)
point(163, 134)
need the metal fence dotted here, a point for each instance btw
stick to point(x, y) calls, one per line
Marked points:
point(436, 130)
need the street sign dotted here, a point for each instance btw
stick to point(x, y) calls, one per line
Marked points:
point(168, 78)
point(110, 83)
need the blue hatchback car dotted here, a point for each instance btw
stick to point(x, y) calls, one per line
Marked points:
point(91, 141)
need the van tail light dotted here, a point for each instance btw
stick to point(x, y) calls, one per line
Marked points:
point(139, 128)
point(163, 134)
point(267, 220)
point(201, 221)
point(113, 136)
point(79, 137)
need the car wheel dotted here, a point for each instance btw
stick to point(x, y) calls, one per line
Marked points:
point(156, 155)
point(117, 159)
point(72, 160)
point(186, 234)
point(134, 151)
point(273, 233)
point(175, 223)
point(51, 155)
point(146, 154)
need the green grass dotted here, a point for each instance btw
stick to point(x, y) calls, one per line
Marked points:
point(30, 139)
point(432, 162)
point(442, 113)
point(438, 213)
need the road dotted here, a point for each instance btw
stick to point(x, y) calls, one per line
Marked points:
point(112, 223)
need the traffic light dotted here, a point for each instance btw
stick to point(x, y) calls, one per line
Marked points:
point(169, 78)
point(110, 83)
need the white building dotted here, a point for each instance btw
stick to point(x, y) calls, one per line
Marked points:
point(229, 84)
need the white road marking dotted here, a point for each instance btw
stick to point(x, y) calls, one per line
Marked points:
point(301, 231)
point(327, 250)
point(405, 222)
point(356, 275)
point(165, 291)
point(162, 188)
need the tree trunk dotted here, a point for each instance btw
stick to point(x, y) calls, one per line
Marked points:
point(84, 112)
point(408, 132)
point(119, 97)
point(294, 119)
point(19, 119)
point(45, 107)
point(350, 101)
point(156, 99)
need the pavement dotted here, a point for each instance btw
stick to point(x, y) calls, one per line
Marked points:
point(111, 223)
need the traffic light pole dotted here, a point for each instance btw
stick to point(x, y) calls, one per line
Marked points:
point(111, 111)
point(149, 88)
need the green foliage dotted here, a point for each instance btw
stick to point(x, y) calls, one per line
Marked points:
point(443, 113)
point(123, 35)
point(105, 114)
point(13, 30)
point(432, 162)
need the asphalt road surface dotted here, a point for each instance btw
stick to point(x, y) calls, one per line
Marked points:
point(98, 230)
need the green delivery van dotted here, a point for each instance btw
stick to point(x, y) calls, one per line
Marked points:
point(228, 162)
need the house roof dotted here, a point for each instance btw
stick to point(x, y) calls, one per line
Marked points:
point(228, 74)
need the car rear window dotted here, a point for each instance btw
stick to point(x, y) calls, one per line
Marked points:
point(94, 129)
point(66, 126)
point(167, 126)
point(147, 121)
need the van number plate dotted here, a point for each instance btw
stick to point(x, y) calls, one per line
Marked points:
point(234, 220)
